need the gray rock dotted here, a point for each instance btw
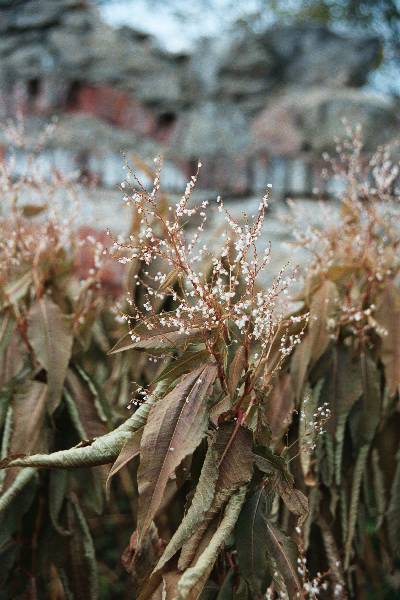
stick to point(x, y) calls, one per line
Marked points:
point(259, 64)
point(210, 129)
point(312, 120)
point(315, 55)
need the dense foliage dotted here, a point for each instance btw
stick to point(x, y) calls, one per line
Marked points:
point(260, 457)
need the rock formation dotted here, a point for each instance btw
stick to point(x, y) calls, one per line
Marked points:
point(253, 106)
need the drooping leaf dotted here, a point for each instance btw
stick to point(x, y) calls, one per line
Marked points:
point(175, 427)
point(102, 450)
point(50, 336)
point(201, 503)
point(358, 474)
point(279, 407)
point(129, 451)
point(235, 470)
point(371, 401)
point(294, 499)
point(323, 305)
point(184, 364)
point(251, 541)
point(341, 390)
point(393, 512)
point(195, 577)
point(21, 480)
point(284, 553)
point(158, 338)
point(15, 290)
point(236, 369)
point(58, 485)
point(380, 494)
point(388, 315)
point(82, 554)
point(28, 418)
point(307, 430)
point(84, 400)
point(7, 326)
point(332, 553)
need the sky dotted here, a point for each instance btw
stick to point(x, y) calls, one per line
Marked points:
point(178, 23)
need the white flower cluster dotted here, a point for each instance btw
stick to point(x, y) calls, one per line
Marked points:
point(216, 290)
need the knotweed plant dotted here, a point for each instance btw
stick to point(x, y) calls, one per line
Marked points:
point(209, 521)
point(349, 361)
point(53, 369)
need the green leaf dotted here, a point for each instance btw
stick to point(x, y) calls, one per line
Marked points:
point(175, 427)
point(50, 336)
point(195, 577)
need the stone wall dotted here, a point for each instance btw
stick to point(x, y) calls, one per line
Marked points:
point(256, 108)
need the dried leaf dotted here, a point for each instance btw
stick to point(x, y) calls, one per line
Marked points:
point(194, 578)
point(58, 485)
point(371, 401)
point(236, 369)
point(184, 364)
point(279, 407)
point(82, 553)
point(235, 470)
point(332, 553)
point(158, 338)
point(284, 552)
point(200, 504)
point(129, 451)
point(84, 400)
point(254, 563)
point(175, 427)
point(51, 338)
point(354, 502)
point(393, 512)
point(102, 450)
point(23, 477)
point(28, 418)
point(14, 291)
point(294, 499)
point(324, 302)
point(388, 315)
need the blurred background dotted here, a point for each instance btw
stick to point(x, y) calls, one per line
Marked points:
point(258, 90)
